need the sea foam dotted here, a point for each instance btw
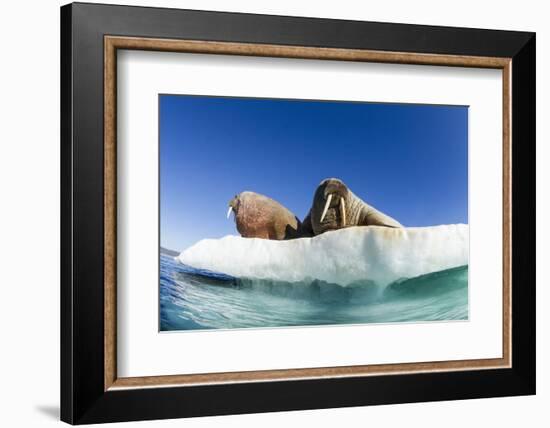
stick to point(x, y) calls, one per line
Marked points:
point(346, 256)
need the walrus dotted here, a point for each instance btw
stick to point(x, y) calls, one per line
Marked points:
point(335, 206)
point(258, 216)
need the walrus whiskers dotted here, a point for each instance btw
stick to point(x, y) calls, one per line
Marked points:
point(326, 208)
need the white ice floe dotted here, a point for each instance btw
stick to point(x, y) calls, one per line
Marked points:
point(379, 254)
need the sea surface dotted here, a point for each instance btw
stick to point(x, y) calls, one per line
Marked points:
point(192, 299)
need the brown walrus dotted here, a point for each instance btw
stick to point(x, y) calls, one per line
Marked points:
point(258, 216)
point(335, 206)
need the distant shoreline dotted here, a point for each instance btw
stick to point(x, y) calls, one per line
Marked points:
point(169, 252)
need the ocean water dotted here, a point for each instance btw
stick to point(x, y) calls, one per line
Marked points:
point(192, 299)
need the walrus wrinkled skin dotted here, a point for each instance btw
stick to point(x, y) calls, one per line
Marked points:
point(335, 206)
point(258, 216)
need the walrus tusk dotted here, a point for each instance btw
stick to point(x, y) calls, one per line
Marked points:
point(343, 211)
point(229, 211)
point(326, 208)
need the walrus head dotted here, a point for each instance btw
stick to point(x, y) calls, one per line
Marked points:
point(328, 211)
point(233, 206)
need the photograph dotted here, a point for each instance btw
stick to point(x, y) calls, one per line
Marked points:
point(292, 212)
point(278, 210)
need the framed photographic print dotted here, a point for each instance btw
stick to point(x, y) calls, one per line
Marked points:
point(265, 213)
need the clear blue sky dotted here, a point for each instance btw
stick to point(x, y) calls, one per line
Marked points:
point(409, 161)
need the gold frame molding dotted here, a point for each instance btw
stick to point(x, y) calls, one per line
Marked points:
point(113, 43)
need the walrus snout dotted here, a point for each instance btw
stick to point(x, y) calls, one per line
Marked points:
point(334, 186)
point(335, 193)
point(233, 206)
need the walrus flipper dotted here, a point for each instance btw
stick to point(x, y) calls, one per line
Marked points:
point(305, 228)
point(374, 217)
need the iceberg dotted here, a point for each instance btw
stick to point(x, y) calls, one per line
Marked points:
point(346, 256)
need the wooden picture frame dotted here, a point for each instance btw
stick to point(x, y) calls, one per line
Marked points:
point(91, 390)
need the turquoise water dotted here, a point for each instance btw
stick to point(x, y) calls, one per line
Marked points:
point(192, 299)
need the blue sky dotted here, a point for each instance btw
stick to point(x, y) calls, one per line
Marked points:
point(409, 161)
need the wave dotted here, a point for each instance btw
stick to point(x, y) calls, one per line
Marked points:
point(344, 257)
point(193, 299)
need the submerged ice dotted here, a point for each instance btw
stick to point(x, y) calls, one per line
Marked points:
point(346, 256)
